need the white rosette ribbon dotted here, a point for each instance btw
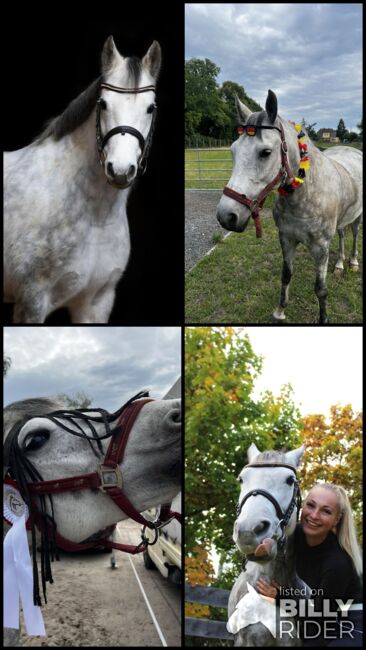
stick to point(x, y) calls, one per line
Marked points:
point(18, 571)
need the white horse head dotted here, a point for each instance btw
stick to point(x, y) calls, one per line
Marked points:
point(127, 99)
point(256, 162)
point(151, 466)
point(257, 528)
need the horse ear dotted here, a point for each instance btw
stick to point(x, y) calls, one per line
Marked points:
point(252, 452)
point(242, 110)
point(271, 106)
point(294, 457)
point(109, 53)
point(152, 59)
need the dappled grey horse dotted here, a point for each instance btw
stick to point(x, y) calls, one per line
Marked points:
point(263, 533)
point(66, 234)
point(319, 193)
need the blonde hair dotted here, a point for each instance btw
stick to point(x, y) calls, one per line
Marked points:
point(345, 529)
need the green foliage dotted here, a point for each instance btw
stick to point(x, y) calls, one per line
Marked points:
point(210, 110)
point(222, 420)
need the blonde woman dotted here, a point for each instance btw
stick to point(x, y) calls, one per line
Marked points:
point(329, 561)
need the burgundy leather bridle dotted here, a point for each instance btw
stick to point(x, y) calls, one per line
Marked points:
point(107, 478)
point(255, 205)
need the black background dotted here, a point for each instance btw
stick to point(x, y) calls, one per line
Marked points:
point(49, 61)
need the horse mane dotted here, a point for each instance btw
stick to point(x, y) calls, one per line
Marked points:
point(30, 408)
point(79, 109)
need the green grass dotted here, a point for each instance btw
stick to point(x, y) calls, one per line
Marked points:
point(240, 282)
point(212, 168)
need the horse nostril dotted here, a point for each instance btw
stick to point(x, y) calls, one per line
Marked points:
point(131, 172)
point(110, 170)
point(232, 219)
point(261, 528)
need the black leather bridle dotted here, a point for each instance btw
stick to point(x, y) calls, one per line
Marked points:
point(284, 517)
point(102, 140)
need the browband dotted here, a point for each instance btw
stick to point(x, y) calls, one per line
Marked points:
point(118, 89)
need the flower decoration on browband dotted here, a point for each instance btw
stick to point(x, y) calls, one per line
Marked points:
point(296, 182)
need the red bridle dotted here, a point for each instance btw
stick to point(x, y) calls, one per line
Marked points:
point(255, 205)
point(108, 479)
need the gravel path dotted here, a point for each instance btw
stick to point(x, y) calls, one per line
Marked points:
point(200, 224)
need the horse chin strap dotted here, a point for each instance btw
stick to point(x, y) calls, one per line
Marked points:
point(255, 205)
point(102, 140)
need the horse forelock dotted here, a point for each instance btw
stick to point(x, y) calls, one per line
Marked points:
point(134, 68)
point(29, 408)
point(271, 456)
point(76, 113)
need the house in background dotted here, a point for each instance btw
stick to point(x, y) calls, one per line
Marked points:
point(328, 135)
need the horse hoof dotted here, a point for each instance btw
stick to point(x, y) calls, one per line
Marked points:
point(338, 272)
point(354, 268)
point(279, 316)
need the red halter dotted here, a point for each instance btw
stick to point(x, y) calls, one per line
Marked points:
point(255, 205)
point(108, 479)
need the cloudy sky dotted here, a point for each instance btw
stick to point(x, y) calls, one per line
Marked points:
point(310, 55)
point(323, 365)
point(109, 364)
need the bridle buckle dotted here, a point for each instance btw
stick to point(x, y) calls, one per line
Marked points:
point(110, 477)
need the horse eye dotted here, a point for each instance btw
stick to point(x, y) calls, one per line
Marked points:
point(265, 153)
point(151, 108)
point(290, 480)
point(36, 440)
point(102, 103)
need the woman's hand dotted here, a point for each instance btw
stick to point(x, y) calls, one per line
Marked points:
point(268, 589)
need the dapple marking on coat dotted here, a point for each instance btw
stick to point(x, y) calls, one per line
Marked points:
point(66, 234)
point(329, 199)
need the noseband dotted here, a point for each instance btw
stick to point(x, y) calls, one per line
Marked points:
point(102, 140)
point(284, 517)
point(107, 478)
point(255, 205)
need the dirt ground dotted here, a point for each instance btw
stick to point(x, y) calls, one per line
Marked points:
point(91, 605)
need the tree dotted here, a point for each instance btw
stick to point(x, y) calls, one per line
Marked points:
point(79, 401)
point(7, 365)
point(341, 131)
point(222, 419)
point(202, 99)
point(334, 454)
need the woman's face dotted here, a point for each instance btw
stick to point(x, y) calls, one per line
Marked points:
point(319, 514)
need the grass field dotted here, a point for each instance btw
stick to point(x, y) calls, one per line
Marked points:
point(203, 166)
point(239, 282)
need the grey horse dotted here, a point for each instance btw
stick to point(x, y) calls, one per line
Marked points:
point(320, 192)
point(264, 535)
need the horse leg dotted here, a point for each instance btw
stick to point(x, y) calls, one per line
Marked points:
point(355, 227)
point(95, 309)
point(288, 247)
point(31, 308)
point(320, 253)
point(341, 256)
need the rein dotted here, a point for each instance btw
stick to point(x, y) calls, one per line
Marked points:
point(255, 205)
point(102, 140)
point(284, 517)
point(107, 478)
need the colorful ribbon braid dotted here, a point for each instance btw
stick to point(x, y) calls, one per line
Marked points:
point(285, 190)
